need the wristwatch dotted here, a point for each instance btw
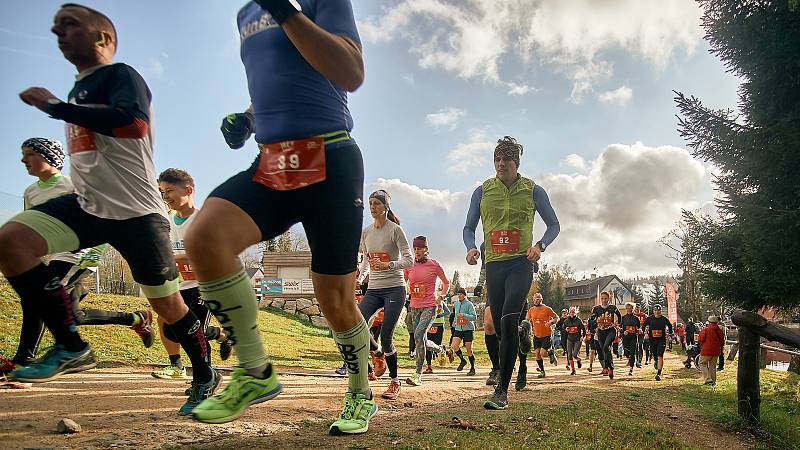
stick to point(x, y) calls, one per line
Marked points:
point(541, 246)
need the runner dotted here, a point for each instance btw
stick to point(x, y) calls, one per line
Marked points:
point(607, 317)
point(116, 200)
point(680, 335)
point(691, 331)
point(436, 331)
point(591, 343)
point(463, 330)
point(44, 159)
point(489, 334)
point(386, 247)
point(561, 335)
point(573, 332)
point(659, 330)
point(542, 318)
point(630, 334)
point(177, 190)
point(637, 311)
point(299, 67)
point(506, 204)
point(421, 278)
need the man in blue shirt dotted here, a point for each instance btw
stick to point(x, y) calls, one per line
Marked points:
point(301, 58)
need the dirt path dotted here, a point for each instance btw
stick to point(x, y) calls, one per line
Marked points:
point(127, 408)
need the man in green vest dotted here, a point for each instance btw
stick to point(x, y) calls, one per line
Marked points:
point(506, 204)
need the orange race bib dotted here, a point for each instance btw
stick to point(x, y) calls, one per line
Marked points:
point(631, 329)
point(186, 272)
point(505, 241)
point(79, 139)
point(658, 333)
point(434, 329)
point(418, 291)
point(572, 330)
point(460, 320)
point(384, 257)
point(289, 165)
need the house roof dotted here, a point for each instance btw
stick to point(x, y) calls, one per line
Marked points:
point(592, 284)
point(251, 271)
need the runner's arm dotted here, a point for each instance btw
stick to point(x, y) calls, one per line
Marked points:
point(473, 216)
point(406, 260)
point(363, 268)
point(470, 313)
point(445, 310)
point(440, 273)
point(548, 215)
point(336, 54)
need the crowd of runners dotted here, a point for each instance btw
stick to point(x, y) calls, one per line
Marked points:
point(301, 58)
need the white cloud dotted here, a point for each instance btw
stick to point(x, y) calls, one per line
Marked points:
point(574, 161)
point(446, 117)
point(518, 89)
point(619, 96)
point(409, 79)
point(470, 155)
point(473, 38)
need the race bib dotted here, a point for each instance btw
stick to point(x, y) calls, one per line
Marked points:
point(460, 320)
point(657, 333)
point(186, 272)
point(631, 329)
point(572, 330)
point(434, 329)
point(79, 139)
point(383, 257)
point(290, 165)
point(505, 241)
point(418, 291)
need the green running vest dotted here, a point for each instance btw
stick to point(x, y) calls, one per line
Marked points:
point(505, 208)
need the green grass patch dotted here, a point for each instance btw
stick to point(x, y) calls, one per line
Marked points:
point(288, 340)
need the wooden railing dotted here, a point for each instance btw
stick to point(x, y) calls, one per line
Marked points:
point(751, 327)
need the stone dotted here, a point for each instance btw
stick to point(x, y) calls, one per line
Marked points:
point(303, 303)
point(278, 303)
point(68, 426)
point(290, 306)
point(319, 321)
point(303, 317)
point(312, 310)
point(264, 303)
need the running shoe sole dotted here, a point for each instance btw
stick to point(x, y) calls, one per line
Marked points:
point(57, 374)
point(336, 431)
point(269, 396)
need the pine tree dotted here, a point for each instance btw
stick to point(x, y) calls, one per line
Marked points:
point(455, 283)
point(749, 254)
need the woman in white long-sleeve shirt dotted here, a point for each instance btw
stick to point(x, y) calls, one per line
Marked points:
point(386, 254)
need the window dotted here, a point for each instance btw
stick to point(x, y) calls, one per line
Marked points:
point(294, 273)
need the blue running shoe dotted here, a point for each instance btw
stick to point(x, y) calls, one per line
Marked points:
point(56, 362)
point(199, 392)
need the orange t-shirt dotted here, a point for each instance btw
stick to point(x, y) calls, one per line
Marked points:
point(538, 317)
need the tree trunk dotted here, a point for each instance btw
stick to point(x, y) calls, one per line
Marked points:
point(748, 389)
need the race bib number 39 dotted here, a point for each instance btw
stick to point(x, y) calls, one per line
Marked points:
point(290, 165)
point(505, 241)
point(186, 272)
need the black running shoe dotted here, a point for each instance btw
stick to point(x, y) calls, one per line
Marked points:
point(522, 380)
point(461, 365)
point(524, 337)
point(225, 349)
point(492, 380)
point(498, 400)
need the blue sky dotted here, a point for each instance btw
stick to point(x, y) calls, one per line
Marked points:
point(585, 86)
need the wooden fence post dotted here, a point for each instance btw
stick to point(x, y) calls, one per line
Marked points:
point(748, 392)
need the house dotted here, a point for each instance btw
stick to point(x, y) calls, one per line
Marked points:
point(586, 293)
point(255, 275)
point(287, 275)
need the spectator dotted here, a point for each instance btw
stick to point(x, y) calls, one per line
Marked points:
point(711, 341)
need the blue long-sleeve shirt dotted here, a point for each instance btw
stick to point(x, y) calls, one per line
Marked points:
point(543, 207)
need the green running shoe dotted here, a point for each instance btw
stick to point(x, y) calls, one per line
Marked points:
point(170, 373)
point(354, 419)
point(241, 391)
point(414, 380)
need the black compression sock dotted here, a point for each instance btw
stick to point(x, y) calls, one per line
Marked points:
point(493, 348)
point(523, 361)
point(40, 287)
point(540, 363)
point(175, 360)
point(460, 356)
point(189, 332)
point(102, 317)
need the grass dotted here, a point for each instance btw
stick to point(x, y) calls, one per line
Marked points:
point(288, 340)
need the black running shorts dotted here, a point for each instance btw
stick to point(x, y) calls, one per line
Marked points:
point(143, 241)
point(331, 211)
point(543, 342)
point(658, 346)
point(465, 335)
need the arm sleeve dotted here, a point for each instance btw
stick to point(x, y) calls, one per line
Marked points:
point(445, 311)
point(669, 326)
point(582, 327)
point(619, 316)
point(443, 277)
point(128, 115)
point(405, 260)
point(336, 17)
point(548, 215)
point(473, 216)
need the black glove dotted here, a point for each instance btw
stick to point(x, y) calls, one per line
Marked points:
point(237, 128)
point(279, 9)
